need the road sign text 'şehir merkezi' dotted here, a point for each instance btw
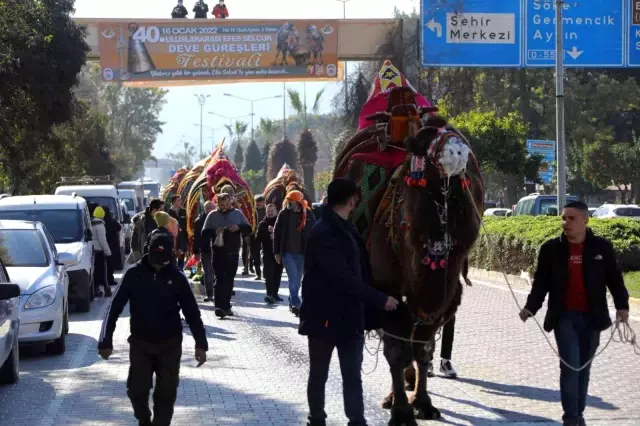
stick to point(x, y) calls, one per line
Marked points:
point(522, 33)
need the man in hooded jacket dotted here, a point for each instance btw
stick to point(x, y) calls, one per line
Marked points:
point(156, 293)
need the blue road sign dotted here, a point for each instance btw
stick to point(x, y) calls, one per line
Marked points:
point(593, 33)
point(633, 14)
point(482, 33)
point(547, 149)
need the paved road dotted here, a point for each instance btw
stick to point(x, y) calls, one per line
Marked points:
point(257, 370)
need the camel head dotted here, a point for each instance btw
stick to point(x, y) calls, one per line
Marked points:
point(437, 213)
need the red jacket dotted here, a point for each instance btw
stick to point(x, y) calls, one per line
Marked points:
point(220, 12)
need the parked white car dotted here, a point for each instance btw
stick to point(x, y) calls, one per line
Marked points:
point(496, 212)
point(609, 211)
point(9, 329)
point(32, 261)
point(68, 222)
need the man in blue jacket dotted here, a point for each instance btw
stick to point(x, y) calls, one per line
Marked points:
point(336, 291)
point(156, 292)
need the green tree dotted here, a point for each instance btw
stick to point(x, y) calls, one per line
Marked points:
point(253, 157)
point(322, 181)
point(41, 53)
point(255, 180)
point(282, 152)
point(269, 128)
point(307, 147)
point(265, 158)
point(185, 157)
point(238, 156)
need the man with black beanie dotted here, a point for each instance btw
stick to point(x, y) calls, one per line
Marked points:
point(156, 292)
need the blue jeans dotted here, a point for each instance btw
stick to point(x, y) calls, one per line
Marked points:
point(577, 343)
point(293, 264)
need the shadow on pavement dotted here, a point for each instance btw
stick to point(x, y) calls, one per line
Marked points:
point(33, 357)
point(507, 415)
point(529, 392)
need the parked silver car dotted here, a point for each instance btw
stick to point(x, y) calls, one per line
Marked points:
point(32, 261)
point(9, 329)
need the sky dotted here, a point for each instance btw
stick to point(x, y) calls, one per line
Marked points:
point(181, 114)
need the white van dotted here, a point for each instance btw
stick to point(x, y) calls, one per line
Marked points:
point(138, 189)
point(104, 195)
point(69, 224)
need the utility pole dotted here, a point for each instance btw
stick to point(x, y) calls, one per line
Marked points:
point(560, 133)
point(201, 100)
point(284, 110)
point(346, 88)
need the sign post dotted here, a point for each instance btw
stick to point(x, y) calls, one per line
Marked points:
point(561, 169)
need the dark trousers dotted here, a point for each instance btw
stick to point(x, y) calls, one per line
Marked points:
point(110, 270)
point(350, 355)
point(245, 256)
point(100, 271)
point(147, 358)
point(225, 267)
point(272, 274)
point(254, 257)
point(446, 347)
point(577, 343)
point(208, 276)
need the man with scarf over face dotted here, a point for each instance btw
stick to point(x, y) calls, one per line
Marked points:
point(291, 232)
point(156, 293)
point(220, 11)
point(201, 9)
point(179, 12)
point(233, 226)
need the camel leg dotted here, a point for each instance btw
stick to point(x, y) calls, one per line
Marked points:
point(420, 399)
point(276, 59)
point(398, 355)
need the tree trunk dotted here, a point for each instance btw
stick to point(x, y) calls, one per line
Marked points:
point(307, 172)
point(635, 188)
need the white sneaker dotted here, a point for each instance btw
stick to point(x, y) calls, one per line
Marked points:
point(447, 369)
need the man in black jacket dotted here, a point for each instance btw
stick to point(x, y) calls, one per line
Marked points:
point(156, 292)
point(336, 290)
point(143, 224)
point(254, 244)
point(233, 226)
point(576, 270)
point(272, 269)
point(202, 251)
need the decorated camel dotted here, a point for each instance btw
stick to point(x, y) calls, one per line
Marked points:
point(285, 181)
point(171, 188)
point(219, 172)
point(421, 187)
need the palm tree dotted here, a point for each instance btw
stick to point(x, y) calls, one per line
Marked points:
point(230, 130)
point(307, 146)
point(241, 128)
point(269, 128)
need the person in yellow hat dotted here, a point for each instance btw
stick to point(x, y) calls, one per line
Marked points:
point(102, 251)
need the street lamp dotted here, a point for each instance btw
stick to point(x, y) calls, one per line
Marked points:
point(346, 89)
point(213, 134)
point(201, 100)
point(230, 118)
point(252, 101)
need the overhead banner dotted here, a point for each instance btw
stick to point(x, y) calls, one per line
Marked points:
point(195, 49)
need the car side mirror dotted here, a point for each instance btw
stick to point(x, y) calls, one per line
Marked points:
point(88, 235)
point(9, 291)
point(65, 259)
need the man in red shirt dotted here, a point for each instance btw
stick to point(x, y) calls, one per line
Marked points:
point(576, 270)
point(220, 11)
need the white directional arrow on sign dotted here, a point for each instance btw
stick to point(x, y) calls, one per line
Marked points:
point(575, 53)
point(435, 27)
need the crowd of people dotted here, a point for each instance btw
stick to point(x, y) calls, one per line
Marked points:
point(326, 258)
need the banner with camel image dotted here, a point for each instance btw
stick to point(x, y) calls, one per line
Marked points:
point(199, 49)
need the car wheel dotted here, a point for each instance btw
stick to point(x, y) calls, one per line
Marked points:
point(59, 346)
point(65, 324)
point(10, 371)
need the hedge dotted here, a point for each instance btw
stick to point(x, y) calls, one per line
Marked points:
point(512, 244)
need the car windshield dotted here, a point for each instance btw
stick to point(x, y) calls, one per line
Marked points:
point(22, 248)
point(105, 202)
point(499, 212)
point(627, 211)
point(63, 225)
point(129, 204)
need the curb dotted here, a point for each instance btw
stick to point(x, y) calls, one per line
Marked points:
point(523, 282)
